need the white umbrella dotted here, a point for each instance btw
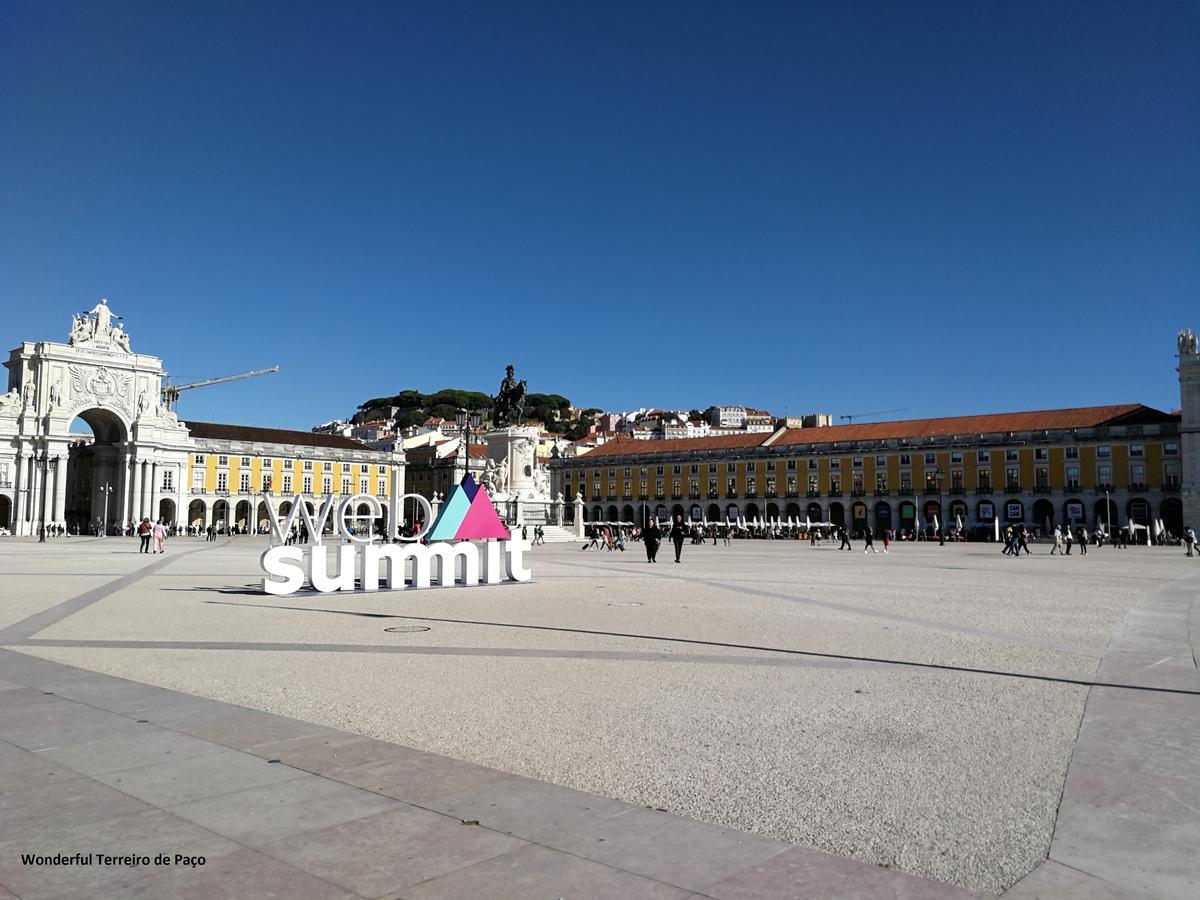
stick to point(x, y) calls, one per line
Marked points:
point(936, 527)
point(996, 526)
point(807, 523)
point(958, 522)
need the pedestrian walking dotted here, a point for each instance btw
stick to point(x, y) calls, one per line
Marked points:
point(1189, 540)
point(651, 538)
point(679, 534)
point(1083, 540)
point(1022, 542)
point(870, 539)
point(845, 539)
point(143, 531)
point(887, 538)
point(1058, 541)
point(159, 532)
point(1068, 539)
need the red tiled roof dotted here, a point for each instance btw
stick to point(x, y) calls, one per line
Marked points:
point(993, 423)
point(219, 432)
point(632, 446)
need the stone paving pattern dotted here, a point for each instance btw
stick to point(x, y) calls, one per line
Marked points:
point(102, 759)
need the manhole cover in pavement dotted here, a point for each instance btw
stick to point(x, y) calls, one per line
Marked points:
point(624, 603)
point(406, 629)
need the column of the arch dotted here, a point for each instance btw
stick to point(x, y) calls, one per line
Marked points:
point(123, 494)
point(20, 483)
point(60, 489)
point(140, 476)
point(154, 490)
point(35, 492)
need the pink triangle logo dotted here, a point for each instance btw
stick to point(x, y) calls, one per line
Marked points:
point(481, 520)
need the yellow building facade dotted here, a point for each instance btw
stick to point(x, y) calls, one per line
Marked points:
point(1044, 468)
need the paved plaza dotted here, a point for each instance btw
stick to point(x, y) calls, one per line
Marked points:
point(766, 719)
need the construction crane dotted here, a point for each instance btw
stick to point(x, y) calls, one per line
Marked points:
point(170, 392)
point(879, 412)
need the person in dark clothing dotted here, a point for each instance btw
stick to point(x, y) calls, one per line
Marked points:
point(144, 533)
point(679, 534)
point(844, 538)
point(652, 537)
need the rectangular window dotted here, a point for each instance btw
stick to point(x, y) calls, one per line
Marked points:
point(712, 468)
point(812, 465)
point(791, 484)
point(857, 463)
point(956, 480)
point(658, 470)
point(628, 471)
point(770, 484)
point(835, 482)
point(1171, 474)
point(642, 471)
point(612, 473)
point(931, 459)
point(1072, 452)
point(955, 456)
point(695, 469)
point(694, 484)
point(712, 486)
point(198, 459)
point(835, 463)
point(245, 460)
point(266, 483)
point(983, 456)
point(222, 460)
point(362, 485)
point(658, 487)
point(596, 488)
point(1170, 449)
point(1010, 456)
point(906, 482)
point(382, 487)
point(287, 483)
point(364, 469)
point(1104, 473)
point(642, 488)
point(1072, 478)
point(1041, 477)
point(308, 465)
point(675, 470)
point(244, 482)
point(308, 484)
point(881, 482)
point(1012, 478)
point(985, 479)
point(628, 487)
point(791, 465)
point(1137, 450)
point(326, 485)
point(346, 487)
point(675, 488)
point(168, 480)
point(905, 459)
point(750, 484)
point(327, 466)
point(198, 481)
point(1103, 451)
point(1137, 473)
point(813, 486)
point(1041, 453)
point(880, 462)
point(222, 481)
point(857, 483)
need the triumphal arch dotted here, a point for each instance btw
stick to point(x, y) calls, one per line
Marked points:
point(134, 464)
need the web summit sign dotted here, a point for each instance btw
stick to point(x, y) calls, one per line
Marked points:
point(441, 552)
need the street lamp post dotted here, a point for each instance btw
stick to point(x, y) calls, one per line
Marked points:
point(106, 490)
point(467, 420)
point(939, 474)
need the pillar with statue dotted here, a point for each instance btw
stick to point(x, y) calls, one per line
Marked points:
point(518, 484)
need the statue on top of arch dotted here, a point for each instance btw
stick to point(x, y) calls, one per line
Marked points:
point(94, 328)
point(1186, 343)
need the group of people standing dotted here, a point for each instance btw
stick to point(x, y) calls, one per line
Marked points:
point(652, 538)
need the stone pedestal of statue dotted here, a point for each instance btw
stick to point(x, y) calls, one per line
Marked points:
point(517, 483)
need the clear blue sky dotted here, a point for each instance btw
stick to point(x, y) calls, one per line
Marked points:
point(945, 207)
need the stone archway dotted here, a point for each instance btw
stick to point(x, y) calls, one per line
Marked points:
point(1171, 513)
point(196, 514)
point(1043, 514)
point(94, 489)
point(166, 511)
point(241, 516)
point(6, 513)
